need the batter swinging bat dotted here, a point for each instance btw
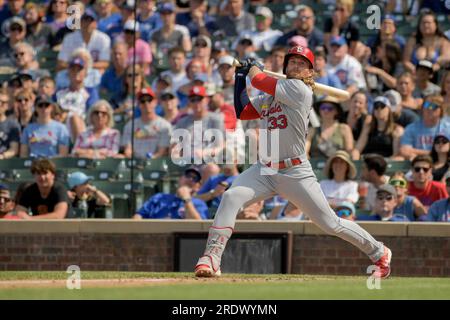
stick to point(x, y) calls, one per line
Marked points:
point(319, 88)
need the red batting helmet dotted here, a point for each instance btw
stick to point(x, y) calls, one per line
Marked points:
point(298, 51)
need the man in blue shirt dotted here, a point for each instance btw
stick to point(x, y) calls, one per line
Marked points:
point(214, 187)
point(440, 210)
point(197, 20)
point(385, 203)
point(179, 206)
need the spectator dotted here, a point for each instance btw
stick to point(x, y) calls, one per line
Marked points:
point(201, 148)
point(440, 154)
point(24, 55)
point(46, 137)
point(339, 185)
point(385, 203)
point(422, 186)
point(418, 136)
point(373, 171)
point(13, 8)
point(143, 55)
point(91, 81)
point(23, 108)
point(9, 131)
point(177, 72)
point(196, 75)
point(226, 71)
point(245, 48)
point(387, 33)
point(252, 212)
point(383, 135)
point(197, 19)
point(100, 140)
point(427, 43)
point(408, 206)
point(218, 105)
point(108, 19)
point(16, 31)
point(123, 101)
point(385, 66)
point(332, 135)
point(344, 66)
point(114, 77)
point(80, 189)
point(322, 76)
point(57, 14)
point(445, 91)
point(46, 87)
point(181, 205)
point(75, 99)
point(209, 170)
point(38, 32)
point(424, 87)
point(212, 190)
point(46, 198)
point(276, 59)
point(402, 116)
point(151, 132)
point(97, 42)
point(149, 19)
point(235, 20)
point(357, 116)
point(406, 85)
point(170, 35)
point(169, 103)
point(440, 210)
point(202, 51)
point(126, 14)
point(6, 204)
point(304, 26)
point(345, 210)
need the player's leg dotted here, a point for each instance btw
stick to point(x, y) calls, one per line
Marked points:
point(308, 196)
point(248, 187)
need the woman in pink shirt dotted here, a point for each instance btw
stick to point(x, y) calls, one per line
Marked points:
point(99, 141)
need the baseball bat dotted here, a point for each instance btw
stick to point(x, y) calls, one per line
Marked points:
point(319, 88)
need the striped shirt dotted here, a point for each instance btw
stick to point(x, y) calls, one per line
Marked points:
point(109, 139)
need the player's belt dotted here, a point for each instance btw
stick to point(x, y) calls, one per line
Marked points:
point(287, 163)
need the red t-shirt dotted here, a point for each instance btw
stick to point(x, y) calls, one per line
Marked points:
point(433, 191)
point(229, 116)
point(10, 217)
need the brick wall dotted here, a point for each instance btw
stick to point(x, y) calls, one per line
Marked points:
point(144, 246)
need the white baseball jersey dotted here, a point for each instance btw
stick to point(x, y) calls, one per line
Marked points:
point(289, 112)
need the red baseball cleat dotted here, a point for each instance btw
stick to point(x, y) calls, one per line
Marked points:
point(384, 265)
point(205, 268)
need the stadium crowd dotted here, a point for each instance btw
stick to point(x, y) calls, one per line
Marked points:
point(101, 79)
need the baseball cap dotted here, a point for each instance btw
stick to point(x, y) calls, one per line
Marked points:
point(338, 41)
point(388, 189)
point(77, 62)
point(166, 7)
point(168, 92)
point(246, 39)
point(146, 92)
point(198, 91)
point(341, 206)
point(203, 77)
point(17, 21)
point(128, 5)
point(394, 98)
point(195, 171)
point(383, 100)
point(226, 60)
point(77, 178)
point(166, 78)
point(44, 99)
point(131, 25)
point(425, 64)
point(264, 11)
point(443, 134)
point(89, 15)
point(388, 17)
point(202, 40)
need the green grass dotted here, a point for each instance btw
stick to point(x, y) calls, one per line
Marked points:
point(257, 287)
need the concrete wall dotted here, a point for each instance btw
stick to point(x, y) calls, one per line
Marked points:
point(419, 249)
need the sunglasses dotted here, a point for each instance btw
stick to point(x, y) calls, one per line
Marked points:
point(201, 45)
point(21, 100)
point(19, 54)
point(379, 106)
point(145, 99)
point(326, 107)
point(424, 169)
point(304, 18)
point(441, 140)
point(43, 105)
point(195, 99)
point(260, 18)
point(5, 199)
point(387, 197)
point(98, 112)
point(18, 29)
point(430, 106)
point(398, 183)
point(344, 212)
point(167, 97)
point(131, 75)
point(339, 9)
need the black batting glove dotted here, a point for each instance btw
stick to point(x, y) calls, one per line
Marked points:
point(255, 63)
point(243, 70)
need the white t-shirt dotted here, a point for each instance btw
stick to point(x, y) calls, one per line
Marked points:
point(340, 191)
point(98, 46)
point(349, 71)
point(178, 79)
point(262, 40)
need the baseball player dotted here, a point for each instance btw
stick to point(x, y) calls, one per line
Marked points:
point(286, 107)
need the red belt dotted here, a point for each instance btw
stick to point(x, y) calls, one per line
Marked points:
point(283, 165)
